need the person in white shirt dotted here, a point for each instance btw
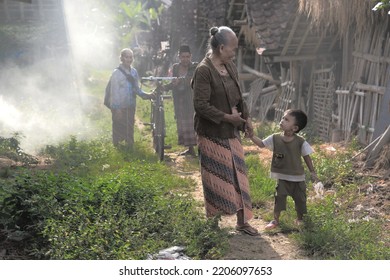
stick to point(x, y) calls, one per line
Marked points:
point(286, 167)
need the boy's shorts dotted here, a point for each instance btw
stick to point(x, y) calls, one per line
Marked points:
point(297, 190)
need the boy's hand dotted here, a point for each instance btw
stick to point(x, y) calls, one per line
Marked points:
point(249, 133)
point(314, 177)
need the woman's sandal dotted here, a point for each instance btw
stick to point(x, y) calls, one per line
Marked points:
point(248, 229)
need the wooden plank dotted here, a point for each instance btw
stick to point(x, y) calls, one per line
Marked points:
point(231, 7)
point(384, 113)
point(302, 42)
point(371, 57)
point(260, 74)
point(247, 76)
point(319, 42)
point(291, 34)
point(372, 88)
point(288, 58)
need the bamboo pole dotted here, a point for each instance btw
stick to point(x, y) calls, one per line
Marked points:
point(373, 155)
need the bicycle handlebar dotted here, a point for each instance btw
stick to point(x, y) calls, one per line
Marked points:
point(152, 78)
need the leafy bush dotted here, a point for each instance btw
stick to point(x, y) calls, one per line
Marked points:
point(128, 217)
point(10, 147)
point(136, 211)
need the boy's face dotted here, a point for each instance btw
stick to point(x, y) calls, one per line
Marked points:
point(288, 123)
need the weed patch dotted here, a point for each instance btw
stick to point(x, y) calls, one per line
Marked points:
point(129, 209)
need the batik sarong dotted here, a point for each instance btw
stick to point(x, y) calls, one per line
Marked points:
point(224, 177)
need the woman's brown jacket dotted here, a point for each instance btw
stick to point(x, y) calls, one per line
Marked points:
point(212, 101)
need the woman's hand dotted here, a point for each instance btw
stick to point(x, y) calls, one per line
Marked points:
point(234, 118)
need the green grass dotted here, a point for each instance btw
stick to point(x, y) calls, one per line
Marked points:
point(102, 202)
point(330, 230)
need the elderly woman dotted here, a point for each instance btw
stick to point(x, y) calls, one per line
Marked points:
point(220, 115)
point(122, 102)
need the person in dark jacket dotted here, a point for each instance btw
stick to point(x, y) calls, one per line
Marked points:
point(220, 116)
point(182, 99)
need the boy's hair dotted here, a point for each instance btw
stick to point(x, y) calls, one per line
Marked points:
point(300, 118)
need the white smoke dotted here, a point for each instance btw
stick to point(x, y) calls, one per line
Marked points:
point(45, 101)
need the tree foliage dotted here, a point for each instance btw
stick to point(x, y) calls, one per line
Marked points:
point(135, 16)
point(381, 5)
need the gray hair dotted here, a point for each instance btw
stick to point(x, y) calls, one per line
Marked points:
point(218, 36)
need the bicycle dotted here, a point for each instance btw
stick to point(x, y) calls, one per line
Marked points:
point(157, 115)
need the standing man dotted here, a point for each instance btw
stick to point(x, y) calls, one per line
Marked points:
point(124, 89)
point(182, 99)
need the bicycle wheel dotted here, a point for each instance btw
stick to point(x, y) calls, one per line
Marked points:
point(159, 137)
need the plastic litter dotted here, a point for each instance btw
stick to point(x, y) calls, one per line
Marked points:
point(172, 253)
point(319, 189)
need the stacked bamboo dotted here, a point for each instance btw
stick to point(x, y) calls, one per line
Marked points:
point(371, 64)
point(254, 93)
point(285, 99)
point(357, 110)
point(347, 103)
point(267, 98)
point(372, 56)
point(260, 99)
point(323, 83)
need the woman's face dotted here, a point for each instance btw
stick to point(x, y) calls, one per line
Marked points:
point(228, 51)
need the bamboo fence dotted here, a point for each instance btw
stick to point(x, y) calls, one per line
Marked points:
point(358, 104)
point(323, 83)
point(357, 111)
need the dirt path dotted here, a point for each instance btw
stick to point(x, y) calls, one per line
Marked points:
point(266, 246)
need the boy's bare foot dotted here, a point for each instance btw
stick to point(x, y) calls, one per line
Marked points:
point(273, 224)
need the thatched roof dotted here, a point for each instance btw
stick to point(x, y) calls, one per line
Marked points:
point(339, 15)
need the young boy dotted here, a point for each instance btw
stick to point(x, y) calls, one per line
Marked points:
point(286, 166)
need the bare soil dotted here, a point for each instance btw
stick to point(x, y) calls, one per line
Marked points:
point(266, 246)
point(373, 203)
